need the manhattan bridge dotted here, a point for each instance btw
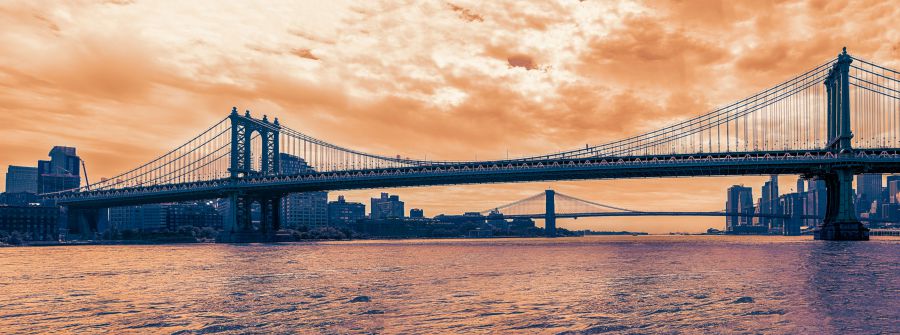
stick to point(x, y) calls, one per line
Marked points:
point(837, 119)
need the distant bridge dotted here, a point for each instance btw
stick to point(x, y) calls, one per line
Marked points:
point(551, 205)
point(800, 126)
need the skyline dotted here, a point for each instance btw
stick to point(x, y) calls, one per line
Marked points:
point(338, 93)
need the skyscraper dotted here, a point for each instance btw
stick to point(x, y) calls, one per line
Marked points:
point(21, 179)
point(770, 204)
point(308, 209)
point(387, 206)
point(61, 172)
point(816, 200)
point(740, 200)
point(893, 187)
point(868, 189)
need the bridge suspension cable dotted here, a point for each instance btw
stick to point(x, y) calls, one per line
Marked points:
point(875, 97)
point(564, 204)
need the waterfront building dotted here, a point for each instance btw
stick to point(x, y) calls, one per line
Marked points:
point(342, 212)
point(151, 217)
point(416, 213)
point(196, 214)
point(61, 172)
point(739, 200)
point(308, 209)
point(36, 223)
point(386, 206)
point(21, 179)
point(19, 198)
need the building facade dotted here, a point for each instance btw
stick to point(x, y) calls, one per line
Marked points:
point(769, 203)
point(195, 214)
point(36, 223)
point(150, 217)
point(739, 201)
point(386, 206)
point(341, 212)
point(21, 179)
point(62, 172)
point(309, 209)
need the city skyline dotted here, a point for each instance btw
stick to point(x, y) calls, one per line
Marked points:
point(413, 100)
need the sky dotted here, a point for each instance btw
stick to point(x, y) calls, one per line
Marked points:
point(125, 81)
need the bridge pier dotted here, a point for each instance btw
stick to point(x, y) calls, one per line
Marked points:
point(239, 219)
point(82, 221)
point(550, 214)
point(840, 223)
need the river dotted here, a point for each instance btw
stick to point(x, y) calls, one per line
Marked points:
point(588, 285)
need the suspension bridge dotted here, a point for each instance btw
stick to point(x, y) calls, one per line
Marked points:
point(800, 126)
point(551, 205)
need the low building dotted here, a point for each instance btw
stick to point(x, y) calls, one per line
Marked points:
point(342, 212)
point(196, 214)
point(36, 223)
point(19, 198)
point(140, 218)
point(386, 206)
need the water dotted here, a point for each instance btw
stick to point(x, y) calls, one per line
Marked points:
point(591, 285)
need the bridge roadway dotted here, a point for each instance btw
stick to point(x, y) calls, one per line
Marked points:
point(801, 162)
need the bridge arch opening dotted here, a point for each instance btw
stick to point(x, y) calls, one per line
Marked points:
point(256, 151)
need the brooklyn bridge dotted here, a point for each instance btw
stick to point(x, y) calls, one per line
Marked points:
point(837, 119)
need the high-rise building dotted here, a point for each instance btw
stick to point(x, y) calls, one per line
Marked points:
point(770, 204)
point(893, 187)
point(740, 200)
point(816, 200)
point(416, 213)
point(21, 179)
point(61, 172)
point(308, 209)
point(341, 212)
point(868, 189)
point(386, 206)
point(792, 205)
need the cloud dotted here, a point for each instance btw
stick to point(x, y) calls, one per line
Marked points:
point(466, 14)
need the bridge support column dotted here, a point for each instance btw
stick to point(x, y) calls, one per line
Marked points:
point(840, 222)
point(82, 221)
point(550, 214)
point(238, 222)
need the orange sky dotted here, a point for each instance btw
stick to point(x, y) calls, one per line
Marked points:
point(124, 81)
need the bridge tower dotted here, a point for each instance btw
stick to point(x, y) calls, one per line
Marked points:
point(238, 221)
point(550, 213)
point(840, 221)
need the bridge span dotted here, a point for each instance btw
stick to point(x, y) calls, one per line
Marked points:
point(800, 126)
